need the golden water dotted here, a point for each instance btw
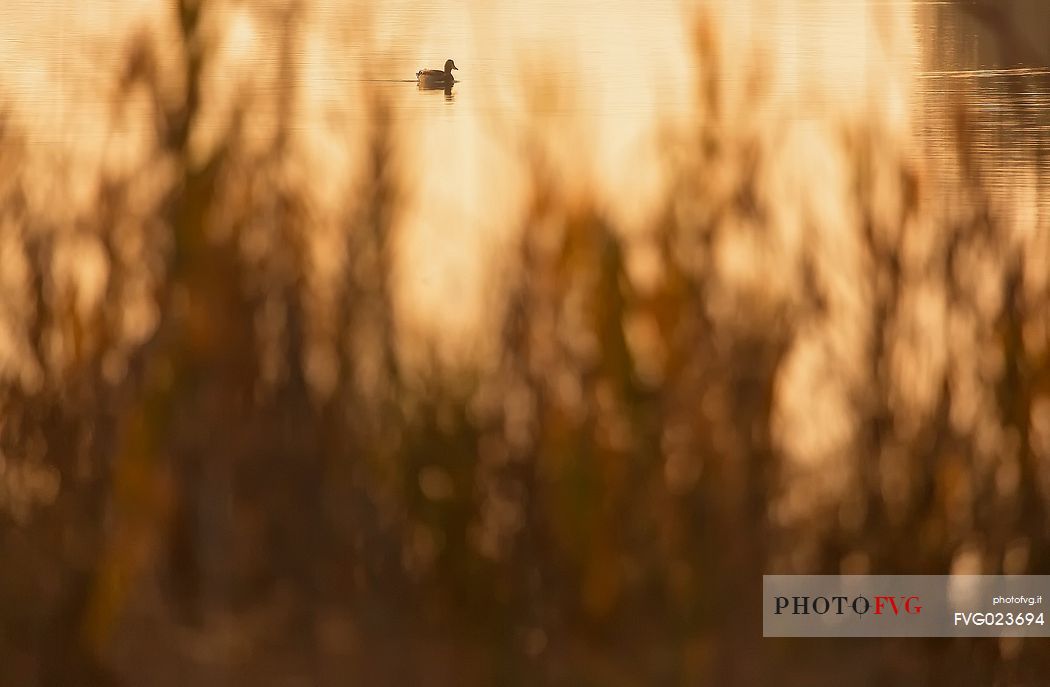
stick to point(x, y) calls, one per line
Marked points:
point(596, 85)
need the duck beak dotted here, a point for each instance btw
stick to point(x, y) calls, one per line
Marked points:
point(455, 67)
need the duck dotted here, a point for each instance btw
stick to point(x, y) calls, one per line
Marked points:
point(435, 78)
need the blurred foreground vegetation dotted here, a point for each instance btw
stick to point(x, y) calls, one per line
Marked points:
point(215, 470)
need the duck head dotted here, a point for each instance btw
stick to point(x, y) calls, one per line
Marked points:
point(449, 66)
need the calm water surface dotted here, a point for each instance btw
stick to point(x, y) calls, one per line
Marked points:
point(612, 73)
point(597, 82)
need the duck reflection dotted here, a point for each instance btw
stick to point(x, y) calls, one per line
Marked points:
point(447, 90)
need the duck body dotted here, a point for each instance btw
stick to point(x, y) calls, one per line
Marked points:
point(437, 78)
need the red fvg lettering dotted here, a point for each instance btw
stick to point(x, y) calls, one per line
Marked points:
point(908, 605)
